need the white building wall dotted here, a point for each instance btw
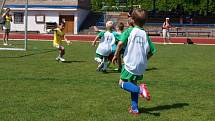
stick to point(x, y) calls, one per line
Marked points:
point(50, 16)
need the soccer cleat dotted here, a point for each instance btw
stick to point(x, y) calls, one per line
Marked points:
point(100, 66)
point(5, 44)
point(62, 59)
point(144, 93)
point(134, 113)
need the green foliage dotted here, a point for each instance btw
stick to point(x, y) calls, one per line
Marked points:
point(199, 6)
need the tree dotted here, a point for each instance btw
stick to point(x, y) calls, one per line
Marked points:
point(202, 7)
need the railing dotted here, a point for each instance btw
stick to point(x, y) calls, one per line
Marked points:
point(184, 33)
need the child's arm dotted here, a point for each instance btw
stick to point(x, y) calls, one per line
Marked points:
point(11, 19)
point(152, 50)
point(118, 49)
point(94, 42)
point(68, 42)
point(5, 13)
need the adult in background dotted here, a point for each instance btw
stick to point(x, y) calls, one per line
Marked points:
point(6, 26)
point(165, 29)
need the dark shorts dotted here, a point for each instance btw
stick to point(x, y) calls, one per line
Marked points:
point(6, 30)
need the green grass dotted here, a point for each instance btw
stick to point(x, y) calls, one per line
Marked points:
point(34, 87)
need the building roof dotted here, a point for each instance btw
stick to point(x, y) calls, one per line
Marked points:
point(41, 7)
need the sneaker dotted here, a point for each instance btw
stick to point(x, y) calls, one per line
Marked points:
point(98, 60)
point(5, 44)
point(62, 59)
point(100, 66)
point(144, 93)
point(57, 59)
point(134, 113)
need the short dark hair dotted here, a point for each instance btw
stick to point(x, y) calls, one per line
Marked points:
point(139, 16)
point(120, 26)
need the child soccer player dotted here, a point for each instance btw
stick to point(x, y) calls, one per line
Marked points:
point(119, 29)
point(59, 35)
point(137, 52)
point(6, 27)
point(104, 49)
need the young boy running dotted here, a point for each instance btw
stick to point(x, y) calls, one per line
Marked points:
point(59, 35)
point(104, 49)
point(119, 30)
point(138, 50)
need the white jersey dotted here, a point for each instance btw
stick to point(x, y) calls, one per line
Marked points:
point(135, 56)
point(105, 44)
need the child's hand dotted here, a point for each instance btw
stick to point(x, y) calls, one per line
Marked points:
point(114, 60)
point(68, 42)
point(93, 44)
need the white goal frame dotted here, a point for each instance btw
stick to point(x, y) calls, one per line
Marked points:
point(26, 29)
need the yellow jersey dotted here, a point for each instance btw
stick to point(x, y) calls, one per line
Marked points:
point(58, 36)
point(8, 19)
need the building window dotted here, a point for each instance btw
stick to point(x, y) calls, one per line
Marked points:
point(18, 17)
point(40, 19)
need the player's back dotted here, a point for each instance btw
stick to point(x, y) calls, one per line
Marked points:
point(135, 56)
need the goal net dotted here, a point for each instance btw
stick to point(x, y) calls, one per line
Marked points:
point(13, 25)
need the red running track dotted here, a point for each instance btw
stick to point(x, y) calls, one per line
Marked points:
point(197, 40)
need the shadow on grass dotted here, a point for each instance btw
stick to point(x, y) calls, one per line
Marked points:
point(112, 71)
point(116, 71)
point(31, 54)
point(74, 61)
point(151, 69)
point(156, 110)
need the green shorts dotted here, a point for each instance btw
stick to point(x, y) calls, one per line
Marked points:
point(100, 56)
point(125, 75)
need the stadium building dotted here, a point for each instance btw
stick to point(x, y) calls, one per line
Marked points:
point(42, 14)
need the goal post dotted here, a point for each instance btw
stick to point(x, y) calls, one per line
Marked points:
point(2, 4)
point(15, 44)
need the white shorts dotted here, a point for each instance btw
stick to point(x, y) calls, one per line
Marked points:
point(166, 33)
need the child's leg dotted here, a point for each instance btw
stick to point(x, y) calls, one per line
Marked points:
point(4, 37)
point(129, 86)
point(105, 63)
point(134, 101)
point(61, 51)
point(134, 89)
point(119, 63)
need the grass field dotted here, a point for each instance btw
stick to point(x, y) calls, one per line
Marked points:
point(34, 87)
